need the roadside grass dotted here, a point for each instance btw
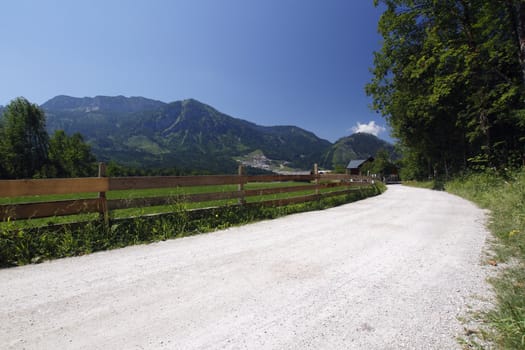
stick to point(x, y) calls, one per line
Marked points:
point(504, 195)
point(21, 245)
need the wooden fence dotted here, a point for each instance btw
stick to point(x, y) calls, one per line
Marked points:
point(339, 183)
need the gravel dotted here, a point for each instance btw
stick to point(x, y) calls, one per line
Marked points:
point(391, 272)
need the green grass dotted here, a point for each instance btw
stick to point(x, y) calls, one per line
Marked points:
point(504, 196)
point(178, 197)
point(177, 194)
point(23, 245)
point(156, 192)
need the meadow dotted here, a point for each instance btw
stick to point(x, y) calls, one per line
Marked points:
point(37, 240)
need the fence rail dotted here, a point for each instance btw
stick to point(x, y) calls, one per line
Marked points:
point(36, 208)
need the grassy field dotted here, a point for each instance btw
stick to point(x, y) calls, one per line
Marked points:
point(177, 194)
point(128, 194)
point(29, 242)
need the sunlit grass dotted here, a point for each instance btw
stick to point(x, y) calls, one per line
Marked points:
point(504, 196)
point(177, 194)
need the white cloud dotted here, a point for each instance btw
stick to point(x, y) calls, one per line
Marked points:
point(370, 128)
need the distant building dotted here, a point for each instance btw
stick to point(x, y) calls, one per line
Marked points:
point(354, 167)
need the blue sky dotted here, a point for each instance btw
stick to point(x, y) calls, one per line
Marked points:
point(272, 62)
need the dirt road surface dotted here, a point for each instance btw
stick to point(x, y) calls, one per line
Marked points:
point(389, 272)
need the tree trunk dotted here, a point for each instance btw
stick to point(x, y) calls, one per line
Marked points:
point(516, 9)
point(520, 9)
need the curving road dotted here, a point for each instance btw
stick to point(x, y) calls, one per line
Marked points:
point(390, 272)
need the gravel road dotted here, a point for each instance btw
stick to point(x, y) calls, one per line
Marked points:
point(389, 272)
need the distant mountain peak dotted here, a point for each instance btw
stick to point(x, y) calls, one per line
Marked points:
point(192, 101)
point(356, 146)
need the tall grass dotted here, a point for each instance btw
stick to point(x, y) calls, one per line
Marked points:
point(504, 195)
point(21, 245)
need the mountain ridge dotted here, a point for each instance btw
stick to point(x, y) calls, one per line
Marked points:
point(191, 135)
point(187, 133)
point(107, 103)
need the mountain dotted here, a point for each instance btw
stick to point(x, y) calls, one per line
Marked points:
point(185, 134)
point(356, 146)
point(190, 135)
point(118, 104)
point(95, 118)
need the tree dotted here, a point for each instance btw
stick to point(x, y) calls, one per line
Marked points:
point(24, 141)
point(381, 166)
point(516, 12)
point(26, 151)
point(71, 156)
point(449, 81)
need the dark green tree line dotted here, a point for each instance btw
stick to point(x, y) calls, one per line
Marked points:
point(450, 78)
point(27, 151)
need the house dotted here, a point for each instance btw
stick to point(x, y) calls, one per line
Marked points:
point(354, 167)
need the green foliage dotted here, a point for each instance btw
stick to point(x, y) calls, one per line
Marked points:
point(414, 165)
point(449, 79)
point(504, 194)
point(508, 319)
point(71, 156)
point(340, 169)
point(114, 169)
point(381, 166)
point(26, 151)
point(24, 142)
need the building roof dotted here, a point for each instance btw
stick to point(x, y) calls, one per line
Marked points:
point(356, 163)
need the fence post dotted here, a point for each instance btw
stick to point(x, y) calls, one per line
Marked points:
point(240, 186)
point(316, 174)
point(103, 209)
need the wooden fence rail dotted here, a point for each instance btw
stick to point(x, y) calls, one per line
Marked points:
point(36, 208)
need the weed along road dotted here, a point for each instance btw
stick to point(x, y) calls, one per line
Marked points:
point(390, 272)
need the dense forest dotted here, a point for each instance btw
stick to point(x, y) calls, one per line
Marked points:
point(450, 80)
